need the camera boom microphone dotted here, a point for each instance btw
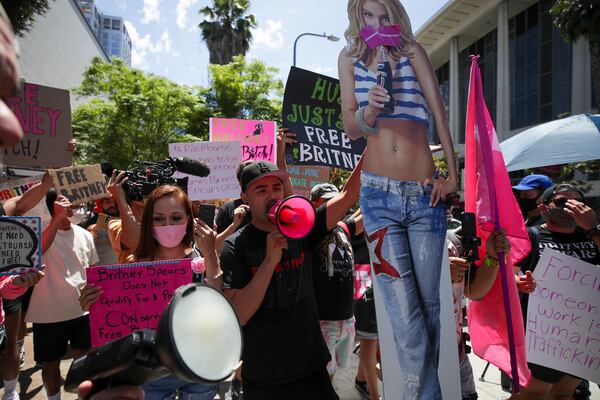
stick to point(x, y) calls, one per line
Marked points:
point(191, 167)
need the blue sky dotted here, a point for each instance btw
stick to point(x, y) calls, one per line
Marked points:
point(167, 41)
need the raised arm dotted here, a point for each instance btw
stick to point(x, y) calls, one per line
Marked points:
point(338, 206)
point(22, 204)
point(283, 139)
point(131, 230)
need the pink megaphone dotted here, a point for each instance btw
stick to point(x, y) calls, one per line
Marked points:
point(294, 216)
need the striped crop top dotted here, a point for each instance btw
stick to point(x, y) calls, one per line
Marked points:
point(409, 101)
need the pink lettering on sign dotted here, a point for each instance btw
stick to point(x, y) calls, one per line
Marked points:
point(256, 137)
point(134, 297)
point(31, 115)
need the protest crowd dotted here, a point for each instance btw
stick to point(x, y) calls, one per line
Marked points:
point(304, 301)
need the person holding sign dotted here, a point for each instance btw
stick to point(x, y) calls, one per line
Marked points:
point(571, 227)
point(54, 308)
point(170, 232)
point(387, 89)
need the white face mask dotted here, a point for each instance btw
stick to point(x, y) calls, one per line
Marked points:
point(78, 215)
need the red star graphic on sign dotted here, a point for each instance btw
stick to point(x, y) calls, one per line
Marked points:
point(380, 265)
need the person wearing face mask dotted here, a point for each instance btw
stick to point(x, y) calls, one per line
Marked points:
point(571, 227)
point(169, 232)
point(527, 193)
point(54, 309)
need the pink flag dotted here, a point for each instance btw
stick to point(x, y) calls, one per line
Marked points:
point(488, 193)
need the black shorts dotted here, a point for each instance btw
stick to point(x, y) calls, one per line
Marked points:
point(11, 306)
point(546, 374)
point(364, 312)
point(50, 340)
point(315, 386)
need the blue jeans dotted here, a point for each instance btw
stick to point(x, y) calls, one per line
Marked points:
point(406, 240)
point(170, 386)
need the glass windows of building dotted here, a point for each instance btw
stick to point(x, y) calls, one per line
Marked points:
point(540, 68)
point(443, 77)
point(486, 48)
point(116, 24)
point(106, 23)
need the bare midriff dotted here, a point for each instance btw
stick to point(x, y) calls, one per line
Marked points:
point(399, 150)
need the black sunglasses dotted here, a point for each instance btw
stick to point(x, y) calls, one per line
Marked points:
point(562, 202)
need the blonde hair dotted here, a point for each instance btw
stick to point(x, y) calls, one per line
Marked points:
point(358, 49)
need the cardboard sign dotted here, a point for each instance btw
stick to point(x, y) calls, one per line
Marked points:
point(563, 316)
point(448, 373)
point(16, 187)
point(223, 158)
point(45, 115)
point(305, 177)
point(257, 138)
point(311, 110)
point(20, 244)
point(80, 184)
point(134, 297)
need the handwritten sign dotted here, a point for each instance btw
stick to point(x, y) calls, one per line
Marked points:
point(17, 187)
point(134, 297)
point(305, 177)
point(20, 244)
point(80, 184)
point(311, 110)
point(223, 158)
point(257, 138)
point(45, 116)
point(563, 316)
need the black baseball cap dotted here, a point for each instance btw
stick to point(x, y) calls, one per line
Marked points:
point(560, 188)
point(323, 190)
point(260, 169)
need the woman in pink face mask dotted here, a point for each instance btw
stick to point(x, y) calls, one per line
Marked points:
point(169, 231)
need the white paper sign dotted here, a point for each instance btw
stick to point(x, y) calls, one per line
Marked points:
point(563, 316)
point(223, 158)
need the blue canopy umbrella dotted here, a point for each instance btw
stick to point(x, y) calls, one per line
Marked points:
point(562, 141)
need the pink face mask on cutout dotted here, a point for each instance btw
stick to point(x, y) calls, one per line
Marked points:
point(169, 235)
point(386, 35)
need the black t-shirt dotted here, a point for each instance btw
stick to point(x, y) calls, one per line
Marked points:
point(225, 215)
point(576, 244)
point(282, 340)
point(333, 276)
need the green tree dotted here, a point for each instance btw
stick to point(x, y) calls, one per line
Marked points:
point(248, 90)
point(226, 29)
point(22, 13)
point(134, 115)
point(581, 18)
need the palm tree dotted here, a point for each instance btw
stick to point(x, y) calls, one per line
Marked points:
point(226, 29)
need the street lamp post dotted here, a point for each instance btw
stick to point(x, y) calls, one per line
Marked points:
point(329, 37)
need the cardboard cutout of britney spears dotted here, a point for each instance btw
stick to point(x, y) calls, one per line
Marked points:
point(404, 219)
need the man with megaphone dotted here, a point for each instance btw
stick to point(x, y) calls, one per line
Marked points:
point(267, 276)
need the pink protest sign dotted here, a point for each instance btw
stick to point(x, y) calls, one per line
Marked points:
point(45, 116)
point(257, 137)
point(134, 297)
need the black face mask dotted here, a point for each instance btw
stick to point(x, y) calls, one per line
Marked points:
point(526, 205)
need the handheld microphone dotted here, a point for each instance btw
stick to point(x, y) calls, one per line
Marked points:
point(190, 166)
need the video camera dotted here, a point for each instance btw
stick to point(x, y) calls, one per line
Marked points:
point(198, 339)
point(470, 242)
point(145, 176)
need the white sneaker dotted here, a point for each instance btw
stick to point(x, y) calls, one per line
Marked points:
point(11, 396)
